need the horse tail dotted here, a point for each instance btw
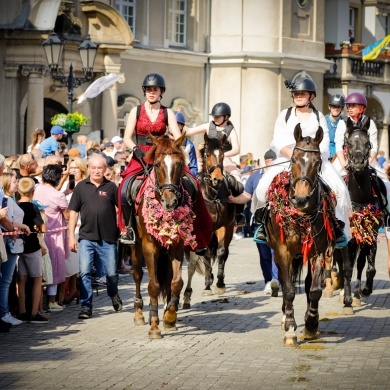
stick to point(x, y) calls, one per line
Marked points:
point(163, 271)
point(297, 266)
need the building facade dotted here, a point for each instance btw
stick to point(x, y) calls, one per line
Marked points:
point(236, 51)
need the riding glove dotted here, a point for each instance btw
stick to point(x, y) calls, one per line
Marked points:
point(139, 153)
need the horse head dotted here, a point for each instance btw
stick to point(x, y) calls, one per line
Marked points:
point(305, 165)
point(358, 144)
point(212, 155)
point(169, 162)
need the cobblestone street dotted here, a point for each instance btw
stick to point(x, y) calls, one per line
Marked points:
point(232, 341)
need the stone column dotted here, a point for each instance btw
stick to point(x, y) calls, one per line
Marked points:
point(109, 110)
point(35, 103)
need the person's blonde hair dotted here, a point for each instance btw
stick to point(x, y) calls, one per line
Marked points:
point(92, 144)
point(26, 186)
point(35, 137)
point(6, 180)
point(81, 164)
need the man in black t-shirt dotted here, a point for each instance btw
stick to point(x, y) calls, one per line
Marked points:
point(95, 198)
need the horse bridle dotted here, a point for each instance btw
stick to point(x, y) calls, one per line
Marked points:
point(312, 183)
point(366, 156)
point(159, 188)
point(208, 173)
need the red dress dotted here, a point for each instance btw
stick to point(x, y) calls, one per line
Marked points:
point(203, 224)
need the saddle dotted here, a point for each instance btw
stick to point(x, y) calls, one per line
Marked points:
point(135, 183)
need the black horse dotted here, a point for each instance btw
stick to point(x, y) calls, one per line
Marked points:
point(368, 205)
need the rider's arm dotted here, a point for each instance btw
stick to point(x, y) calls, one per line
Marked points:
point(130, 128)
point(203, 128)
point(373, 133)
point(173, 126)
point(324, 145)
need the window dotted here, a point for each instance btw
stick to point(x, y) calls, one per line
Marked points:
point(352, 24)
point(127, 10)
point(177, 22)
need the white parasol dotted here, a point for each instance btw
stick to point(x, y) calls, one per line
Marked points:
point(99, 85)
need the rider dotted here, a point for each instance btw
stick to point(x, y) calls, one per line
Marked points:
point(336, 105)
point(217, 128)
point(356, 106)
point(303, 91)
point(153, 118)
point(188, 144)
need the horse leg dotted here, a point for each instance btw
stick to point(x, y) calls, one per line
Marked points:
point(192, 260)
point(288, 322)
point(345, 272)
point(328, 291)
point(208, 275)
point(371, 271)
point(138, 273)
point(313, 293)
point(360, 263)
point(224, 237)
point(170, 315)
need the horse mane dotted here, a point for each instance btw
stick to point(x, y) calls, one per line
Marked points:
point(164, 144)
point(212, 144)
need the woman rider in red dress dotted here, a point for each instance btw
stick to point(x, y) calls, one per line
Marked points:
point(151, 119)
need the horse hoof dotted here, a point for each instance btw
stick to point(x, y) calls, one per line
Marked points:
point(139, 321)
point(290, 341)
point(327, 293)
point(169, 327)
point(155, 334)
point(207, 293)
point(366, 292)
point(309, 334)
point(219, 290)
point(186, 306)
point(356, 302)
point(348, 311)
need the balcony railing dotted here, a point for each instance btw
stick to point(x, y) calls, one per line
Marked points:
point(348, 65)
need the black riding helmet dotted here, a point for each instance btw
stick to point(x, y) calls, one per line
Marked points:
point(301, 84)
point(154, 80)
point(221, 109)
point(337, 100)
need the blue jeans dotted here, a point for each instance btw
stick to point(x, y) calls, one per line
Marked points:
point(267, 264)
point(105, 255)
point(6, 274)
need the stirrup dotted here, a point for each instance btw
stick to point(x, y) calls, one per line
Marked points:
point(128, 237)
point(240, 220)
point(259, 235)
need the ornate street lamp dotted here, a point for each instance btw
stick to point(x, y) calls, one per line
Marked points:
point(54, 47)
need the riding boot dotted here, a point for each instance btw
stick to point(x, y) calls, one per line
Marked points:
point(240, 217)
point(260, 235)
point(234, 185)
point(127, 237)
point(340, 237)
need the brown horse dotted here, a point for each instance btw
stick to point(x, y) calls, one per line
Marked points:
point(215, 192)
point(299, 228)
point(163, 228)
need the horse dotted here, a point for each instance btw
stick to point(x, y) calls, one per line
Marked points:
point(365, 190)
point(215, 192)
point(300, 228)
point(163, 228)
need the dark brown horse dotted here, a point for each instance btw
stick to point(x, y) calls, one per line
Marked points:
point(365, 190)
point(299, 227)
point(163, 227)
point(215, 192)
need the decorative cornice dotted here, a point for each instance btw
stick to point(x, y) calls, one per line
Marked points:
point(28, 69)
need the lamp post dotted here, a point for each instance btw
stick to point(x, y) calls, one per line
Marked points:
point(54, 47)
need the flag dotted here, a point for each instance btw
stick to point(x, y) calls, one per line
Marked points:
point(99, 85)
point(372, 51)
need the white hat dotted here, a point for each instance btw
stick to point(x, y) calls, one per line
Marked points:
point(116, 139)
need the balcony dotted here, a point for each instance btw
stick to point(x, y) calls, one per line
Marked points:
point(348, 67)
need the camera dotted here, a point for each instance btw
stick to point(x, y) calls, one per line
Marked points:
point(288, 84)
point(66, 159)
point(71, 182)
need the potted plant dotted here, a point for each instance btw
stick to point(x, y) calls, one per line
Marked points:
point(357, 46)
point(344, 45)
point(71, 122)
point(329, 47)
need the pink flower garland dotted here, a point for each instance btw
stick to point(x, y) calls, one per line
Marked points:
point(168, 227)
